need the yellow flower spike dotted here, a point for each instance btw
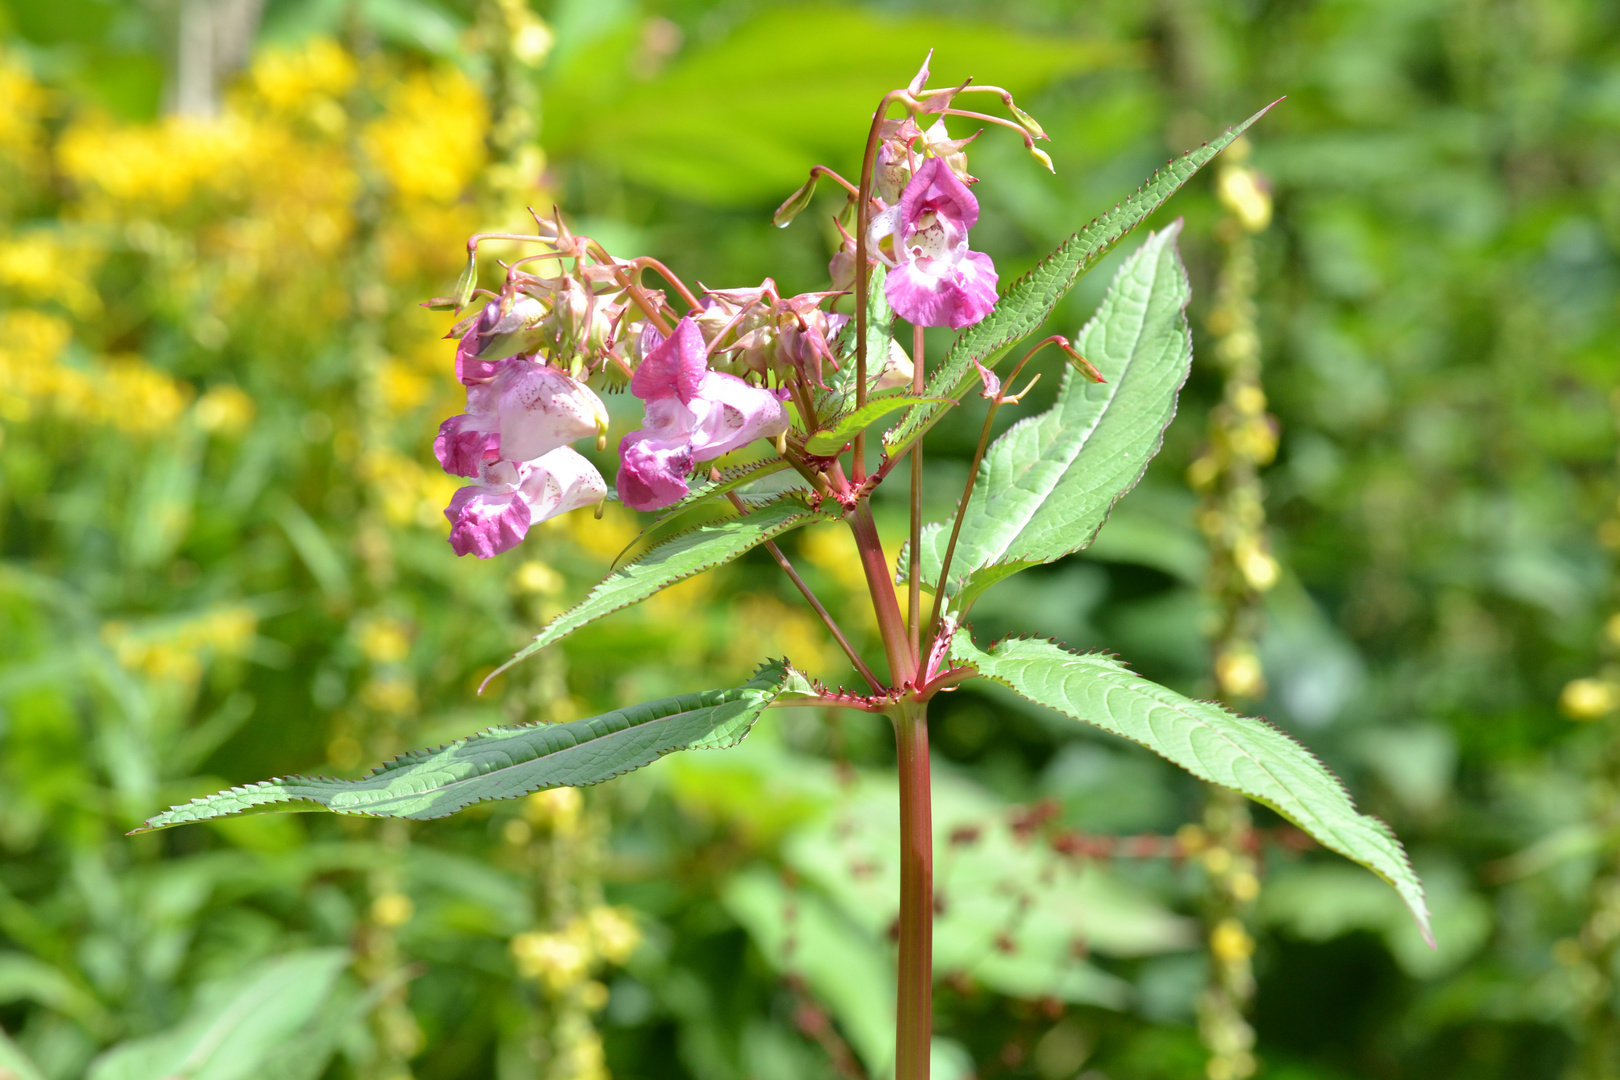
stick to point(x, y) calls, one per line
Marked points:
point(558, 807)
point(1245, 887)
point(1192, 838)
point(614, 933)
point(1239, 675)
point(1217, 861)
point(392, 909)
point(1229, 942)
point(1589, 699)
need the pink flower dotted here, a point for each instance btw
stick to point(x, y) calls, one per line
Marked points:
point(525, 410)
point(491, 516)
point(934, 280)
point(692, 415)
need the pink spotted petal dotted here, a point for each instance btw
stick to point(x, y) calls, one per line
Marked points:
point(732, 414)
point(559, 482)
point(540, 408)
point(943, 292)
point(675, 368)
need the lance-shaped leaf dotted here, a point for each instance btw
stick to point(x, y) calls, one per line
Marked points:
point(829, 441)
point(673, 560)
point(508, 762)
point(1048, 483)
point(1027, 303)
point(1238, 752)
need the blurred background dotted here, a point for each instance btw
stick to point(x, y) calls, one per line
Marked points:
point(224, 557)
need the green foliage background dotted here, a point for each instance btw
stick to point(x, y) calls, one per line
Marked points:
point(194, 595)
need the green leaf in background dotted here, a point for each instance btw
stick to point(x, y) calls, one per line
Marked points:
point(505, 763)
point(831, 440)
point(1239, 752)
point(1050, 480)
point(238, 1029)
point(14, 1064)
point(825, 67)
point(673, 560)
point(1030, 300)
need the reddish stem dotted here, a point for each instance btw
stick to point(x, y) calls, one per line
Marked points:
point(863, 275)
point(914, 1015)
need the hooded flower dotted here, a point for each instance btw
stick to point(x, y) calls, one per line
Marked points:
point(510, 497)
point(692, 415)
point(525, 410)
point(934, 280)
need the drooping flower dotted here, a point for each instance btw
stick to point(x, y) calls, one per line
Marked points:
point(525, 410)
point(511, 497)
point(934, 280)
point(692, 415)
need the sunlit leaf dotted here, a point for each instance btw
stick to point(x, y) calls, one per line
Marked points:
point(1048, 483)
point(505, 763)
point(1239, 752)
point(1027, 303)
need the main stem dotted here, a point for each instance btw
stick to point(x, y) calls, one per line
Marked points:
point(914, 1009)
point(914, 1022)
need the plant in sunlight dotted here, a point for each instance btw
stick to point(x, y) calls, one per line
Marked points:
point(760, 416)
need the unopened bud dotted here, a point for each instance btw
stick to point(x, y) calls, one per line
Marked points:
point(796, 202)
point(781, 442)
point(466, 283)
point(1043, 157)
point(1029, 123)
point(1080, 363)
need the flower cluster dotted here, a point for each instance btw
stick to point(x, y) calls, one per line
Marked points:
point(730, 368)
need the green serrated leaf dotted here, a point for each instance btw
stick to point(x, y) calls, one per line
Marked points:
point(508, 762)
point(673, 560)
point(1239, 752)
point(831, 440)
point(1031, 299)
point(1049, 481)
point(731, 479)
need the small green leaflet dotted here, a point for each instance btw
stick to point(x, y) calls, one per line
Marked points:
point(1030, 300)
point(1049, 481)
point(508, 762)
point(829, 441)
point(1238, 752)
point(673, 560)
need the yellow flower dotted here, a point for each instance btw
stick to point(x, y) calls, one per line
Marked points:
point(429, 144)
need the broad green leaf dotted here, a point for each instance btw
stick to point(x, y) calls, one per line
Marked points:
point(825, 65)
point(673, 560)
point(238, 1028)
point(829, 441)
point(508, 762)
point(1048, 483)
point(1239, 752)
point(1027, 303)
